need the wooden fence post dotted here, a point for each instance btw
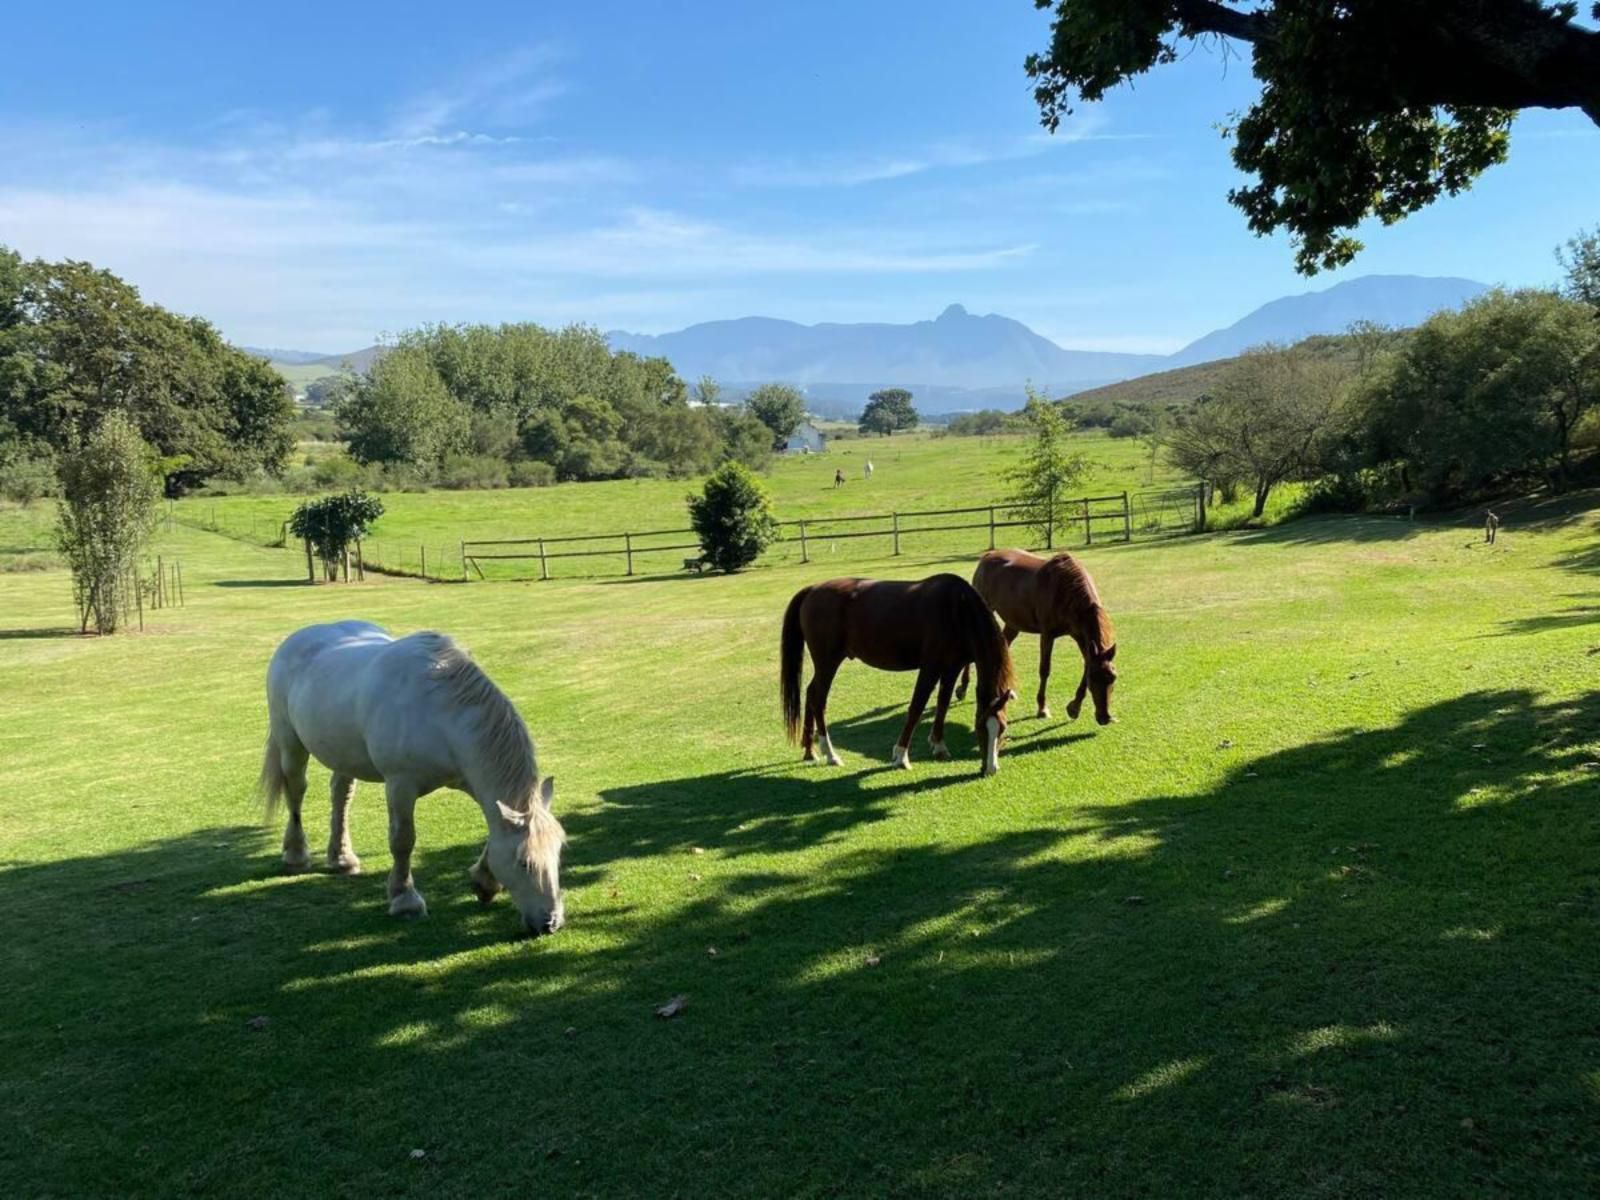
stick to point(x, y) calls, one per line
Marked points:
point(138, 597)
point(423, 551)
point(896, 517)
point(544, 567)
point(178, 568)
point(311, 571)
point(991, 527)
point(805, 557)
point(1127, 519)
point(1088, 525)
point(161, 584)
point(361, 562)
point(463, 561)
point(1050, 524)
point(1200, 507)
point(627, 549)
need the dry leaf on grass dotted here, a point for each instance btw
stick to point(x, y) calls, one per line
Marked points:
point(672, 1007)
point(873, 960)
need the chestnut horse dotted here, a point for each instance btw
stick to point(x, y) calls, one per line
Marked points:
point(1053, 597)
point(935, 626)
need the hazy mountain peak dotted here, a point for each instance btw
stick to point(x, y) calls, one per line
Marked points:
point(953, 312)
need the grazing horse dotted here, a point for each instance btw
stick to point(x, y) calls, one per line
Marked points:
point(866, 471)
point(838, 477)
point(415, 714)
point(933, 626)
point(1053, 597)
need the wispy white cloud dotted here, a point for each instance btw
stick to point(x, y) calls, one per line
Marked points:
point(515, 89)
point(837, 171)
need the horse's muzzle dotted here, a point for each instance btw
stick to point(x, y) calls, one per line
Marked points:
point(549, 925)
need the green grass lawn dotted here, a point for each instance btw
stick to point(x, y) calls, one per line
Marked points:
point(1320, 916)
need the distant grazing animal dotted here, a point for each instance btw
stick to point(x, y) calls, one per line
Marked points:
point(1053, 597)
point(1491, 526)
point(416, 714)
point(838, 477)
point(933, 626)
point(866, 471)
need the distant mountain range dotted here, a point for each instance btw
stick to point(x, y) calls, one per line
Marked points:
point(960, 361)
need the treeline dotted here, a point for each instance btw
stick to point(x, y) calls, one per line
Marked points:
point(78, 344)
point(1501, 394)
point(480, 405)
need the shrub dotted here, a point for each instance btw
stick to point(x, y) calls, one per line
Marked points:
point(25, 479)
point(465, 471)
point(733, 517)
point(531, 472)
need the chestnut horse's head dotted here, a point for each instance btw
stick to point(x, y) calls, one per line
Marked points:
point(1102, 677)
point(991, 729)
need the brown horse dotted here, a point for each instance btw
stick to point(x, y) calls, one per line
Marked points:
point(935, 626)
point(1053, 597)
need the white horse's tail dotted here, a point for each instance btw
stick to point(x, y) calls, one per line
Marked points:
point(273, 782)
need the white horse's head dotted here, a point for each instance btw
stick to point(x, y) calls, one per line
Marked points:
point(524, 852)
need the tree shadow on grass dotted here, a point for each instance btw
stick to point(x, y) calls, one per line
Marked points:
point(1573, 617)
point(1353, 967)
point(63, 631)
point(262, 583)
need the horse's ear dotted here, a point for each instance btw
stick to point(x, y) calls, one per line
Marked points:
point(547, 792)
point(1110, 654)
point(511, 817)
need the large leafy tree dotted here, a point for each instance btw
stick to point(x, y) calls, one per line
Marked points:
point(1368, 108)
point(1265, 423)
point(77, 344)
point(779, 407)
point(888, 410)
point(1493, 391)
point(1581, 258)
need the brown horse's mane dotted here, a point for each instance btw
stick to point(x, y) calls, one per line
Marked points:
point(1078, 597)
point(971, 617)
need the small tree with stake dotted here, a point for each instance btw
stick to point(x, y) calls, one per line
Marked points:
point(733, 517)
point(109, 490)
point(330, 524)
point(1049, 468)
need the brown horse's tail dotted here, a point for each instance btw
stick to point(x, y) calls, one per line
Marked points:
point(984, 643)
point(791, 657)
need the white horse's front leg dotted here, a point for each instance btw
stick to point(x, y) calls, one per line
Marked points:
point(484, 885)
point(341, 854)
point(404, 899)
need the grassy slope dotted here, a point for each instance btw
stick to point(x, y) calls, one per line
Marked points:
point(1318, 917)
point(910, 473)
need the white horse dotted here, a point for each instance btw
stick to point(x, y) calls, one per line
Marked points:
point(866, 471)
point(415, 714)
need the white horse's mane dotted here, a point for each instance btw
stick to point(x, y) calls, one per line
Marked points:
point(503, 738)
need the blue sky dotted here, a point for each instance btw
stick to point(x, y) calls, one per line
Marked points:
point(315, 175)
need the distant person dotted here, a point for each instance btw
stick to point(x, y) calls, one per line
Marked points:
point(1491, 526)
point(838, 477)
point(866, 471)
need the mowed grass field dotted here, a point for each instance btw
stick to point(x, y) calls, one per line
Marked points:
point(916, 472)
point(1319, 916)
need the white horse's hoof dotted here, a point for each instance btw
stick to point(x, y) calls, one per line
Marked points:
point(835, 761)
point(344, 864)
point(1044, 712)
point(941, 752)
point(296, 861)
point(902, 758)
point(408, 904)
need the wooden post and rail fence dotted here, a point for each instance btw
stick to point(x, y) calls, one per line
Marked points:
point(1085, 520)
point(1108, 518)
